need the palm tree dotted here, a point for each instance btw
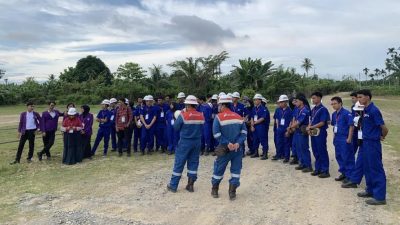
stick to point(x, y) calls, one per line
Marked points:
point(366, 70)
point(307, 65)
point(383, 74)
point(377, 73)
point(157, 78)
point(252, 73)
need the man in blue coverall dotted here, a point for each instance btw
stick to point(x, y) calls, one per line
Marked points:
point(319, 120)
point(373, 132)
point(282, 119)
point(230, 130)
point(190, 125)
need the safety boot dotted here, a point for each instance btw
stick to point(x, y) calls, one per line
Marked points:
point(214, 190)
point(189, 186)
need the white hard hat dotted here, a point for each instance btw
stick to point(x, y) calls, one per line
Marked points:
point(181, 95)
point(214, 97)
point(258, 96)
point(235, 95)
point(283, 98)
point(72, 112)
point(229, 94)
point(148, 98)
point(126, 101)
point(105, 102)
point(191, 100)
point(224, 99)
point(113, 100)
point(264, 100)
point(221, 93)
point(358, 107)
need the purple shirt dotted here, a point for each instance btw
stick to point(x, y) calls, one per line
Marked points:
point(22, 122)
point(87, 123)
point(49, 123)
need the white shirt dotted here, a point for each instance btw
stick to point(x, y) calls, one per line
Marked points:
point(30, 121)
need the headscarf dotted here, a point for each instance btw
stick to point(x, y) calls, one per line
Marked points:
point(86, 110)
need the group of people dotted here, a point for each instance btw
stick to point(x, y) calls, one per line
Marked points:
point(223, 125)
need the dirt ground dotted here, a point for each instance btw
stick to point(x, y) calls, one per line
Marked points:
point(270, 193)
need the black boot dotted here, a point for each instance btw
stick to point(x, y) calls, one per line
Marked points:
point(214, 190)
point(255, 155)
point(232, 192)
point(189, 186)
point(40, 156)
point(264, 156)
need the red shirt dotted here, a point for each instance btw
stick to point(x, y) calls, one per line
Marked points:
point(123, 117)
point(69, 123)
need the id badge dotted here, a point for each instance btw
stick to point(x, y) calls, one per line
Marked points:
point(71, 131)
point(282, 122)
point(359, 135)
point(172, 122)
point(335, 129)
point(123, 119)
point(112, 117)
point(146, 117)
point(162, 114)
point(255, 118)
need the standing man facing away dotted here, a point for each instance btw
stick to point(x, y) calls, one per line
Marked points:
point(230, 130)
point(190, 125)
point(258, 119)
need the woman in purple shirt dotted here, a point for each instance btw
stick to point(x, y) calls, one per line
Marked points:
point(86, 134)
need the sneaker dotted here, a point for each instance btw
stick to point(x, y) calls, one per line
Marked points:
point(275, 158)
point(349, 185)
point(315, 173)
point(285, 160)
point(375, 202)
point(15, 162)
point(340, 178)
point(294, 162)
point(364, 194)
point(307, 170)
point(299, 167)
point(40, 156)
point(254, 156)
point(324, 175)
point(29, 160)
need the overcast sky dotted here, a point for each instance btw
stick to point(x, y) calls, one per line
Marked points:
point(43, 37)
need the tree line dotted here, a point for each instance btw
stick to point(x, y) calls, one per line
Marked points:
point(90, 80)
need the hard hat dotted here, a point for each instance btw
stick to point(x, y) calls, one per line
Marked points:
point(126, 101)
point(72, 112)
point(181, 95)
point(229, 94)
point(221, 93)
point(283, 98)
point(177, 113)
point(191, 100)
point(235, 95)
point(224, 99)
point(113, 100)
point(358, 107)
point(148, 98)
point(264, 100)
point(105, 102)
point(258, 96)
point(214, 97)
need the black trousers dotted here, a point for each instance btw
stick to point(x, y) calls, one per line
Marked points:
point(30, 136)
point(123, 136)
point(48, 142)
point(86, 146)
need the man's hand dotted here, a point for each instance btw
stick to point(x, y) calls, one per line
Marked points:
point(382, 138)
point(236, 146)
point(44, 134)
point(252, 129)
point(348, 140)
point(19, 135)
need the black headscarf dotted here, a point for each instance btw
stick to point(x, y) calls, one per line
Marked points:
point(303, 98)
point(291, 105)
point(175, 105)
point(86, 110)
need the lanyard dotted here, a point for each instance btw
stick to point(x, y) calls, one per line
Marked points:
point(315, 112)
point(298, 114)
point(337, 117)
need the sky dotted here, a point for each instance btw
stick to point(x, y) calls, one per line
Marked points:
point(341, 37)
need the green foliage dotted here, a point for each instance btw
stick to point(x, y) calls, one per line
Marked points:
point(130, 71)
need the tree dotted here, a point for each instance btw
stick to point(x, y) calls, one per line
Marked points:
point(366, 70)
point(157, 79)
point(377, 73)
point(252, 73)
point(2, 73)
point(130, 71)
point(307, 65)
point(88, 68)
point(197, 74)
